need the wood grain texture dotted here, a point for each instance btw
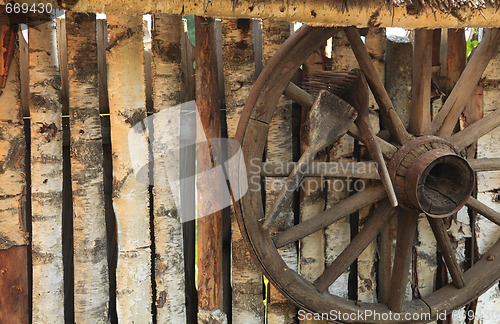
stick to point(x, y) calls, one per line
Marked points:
point(46, 171)
point(209, 226)
point(238, 57)
point(126, 88)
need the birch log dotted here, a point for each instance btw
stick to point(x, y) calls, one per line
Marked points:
point(126, 88)
point(14, 303)
point(338, 235)
point(375, 42)
point(279, 148)
point(169, 257)
point(46, 171)
point(312, 193)
point(487, 186)
point(89, 224)
point(238, 59)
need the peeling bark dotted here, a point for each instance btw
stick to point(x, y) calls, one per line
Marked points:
point(169, 258)
point(238, 58)
point(279, 148)
point(127, 101)
point(46, 171)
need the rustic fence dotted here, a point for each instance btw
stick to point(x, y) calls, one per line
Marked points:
point(82, 240)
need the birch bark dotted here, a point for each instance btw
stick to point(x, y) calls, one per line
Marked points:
point(127, 106)
point(238, 59)
point(169, 258)
point(46, 171)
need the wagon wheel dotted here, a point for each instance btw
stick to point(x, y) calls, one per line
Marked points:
point(427, 172)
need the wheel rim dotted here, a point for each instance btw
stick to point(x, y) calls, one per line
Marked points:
point(252, 134)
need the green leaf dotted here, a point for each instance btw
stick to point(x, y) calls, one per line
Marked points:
point(471, 46)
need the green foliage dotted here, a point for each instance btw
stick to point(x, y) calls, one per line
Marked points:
point(190, 28)
point(470, 46)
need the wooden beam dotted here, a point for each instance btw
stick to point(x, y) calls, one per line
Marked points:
point(312, 12)
point(209, 226)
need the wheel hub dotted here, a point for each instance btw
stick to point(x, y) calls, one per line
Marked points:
point(429, 175)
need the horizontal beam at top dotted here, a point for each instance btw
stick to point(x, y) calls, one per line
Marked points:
point(312, 12)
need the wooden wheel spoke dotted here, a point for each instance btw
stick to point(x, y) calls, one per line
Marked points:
point(446, 119)
point(484, 210)
point(391, 118)
point(447, 251)
point(407, 226)
point(373, 226)
point(291, 184)
point(472, 133)
point(359, 170)
point(420, 113)
point(342, 209)
point(491, 164)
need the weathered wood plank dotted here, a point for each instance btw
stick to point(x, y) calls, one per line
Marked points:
point(169, 257)
point(46, 171)
point(238, 58)
point(127, 106)
point(209, 226)
point(316, 12)
point(14, 302)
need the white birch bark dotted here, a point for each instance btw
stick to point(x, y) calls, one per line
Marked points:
point(12, 150)
point(89, 223)
point(312, 194)
point(279, 148)
point(375, 42)
point(239, 71)
point(486, 232)
point(169, 259)
point(46, 171)
point(126, 88)
point(338, 235)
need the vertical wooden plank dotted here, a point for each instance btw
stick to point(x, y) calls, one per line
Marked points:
point(279, 148)
point(127, 105)
point(338, 235)
point(89, 224)
point(238, 58)
point(188, 185)
point(169, 258)
point(313, 192)
point(46, 170)
point(488, 146)
point(14, 301)
point(210, 226)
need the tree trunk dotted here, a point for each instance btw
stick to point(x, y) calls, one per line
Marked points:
point(338, 235)
point(238, 58)
point(279, 148)
point(127, 106)
point(169, 257)
point(14, 303)
point(89, 225)
point(209, 226)
point(46, 171)
point(487, 183)
point(312, 193)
